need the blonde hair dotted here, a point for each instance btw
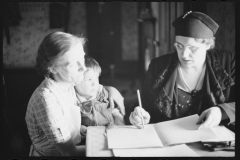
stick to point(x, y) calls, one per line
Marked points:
point(52, 49)
point(208, 41)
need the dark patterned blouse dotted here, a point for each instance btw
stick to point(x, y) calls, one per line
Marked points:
point(187, 105)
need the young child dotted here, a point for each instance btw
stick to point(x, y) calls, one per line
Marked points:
point(93, 100)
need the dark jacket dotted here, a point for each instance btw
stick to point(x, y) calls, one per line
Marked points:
point(159, 91)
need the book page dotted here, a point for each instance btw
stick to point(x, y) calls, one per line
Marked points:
point(182, 130)
point(132, 137)
point(222, 133)
point(173, 151)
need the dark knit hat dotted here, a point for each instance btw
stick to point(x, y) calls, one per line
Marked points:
point(195, 25)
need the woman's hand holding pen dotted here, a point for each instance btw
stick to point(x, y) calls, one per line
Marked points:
point(137, 115)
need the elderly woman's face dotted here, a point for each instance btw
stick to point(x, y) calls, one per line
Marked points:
point(71, 67)
point(190, 52)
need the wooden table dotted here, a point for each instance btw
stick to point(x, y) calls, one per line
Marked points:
point(96, 145)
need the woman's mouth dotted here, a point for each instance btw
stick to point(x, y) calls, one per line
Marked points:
point(186, 60)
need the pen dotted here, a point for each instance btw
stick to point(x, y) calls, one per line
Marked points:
point(224, 149)
point(140, 104)
point(221, 146)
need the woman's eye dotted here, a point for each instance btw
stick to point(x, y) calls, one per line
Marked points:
point(71, 65)
point(87, 79)
point(193, 48)
point(178, 46)
point(81, 69)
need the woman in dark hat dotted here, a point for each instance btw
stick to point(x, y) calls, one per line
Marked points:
point(195, 79)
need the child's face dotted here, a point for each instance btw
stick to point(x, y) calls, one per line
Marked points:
point(90, 84)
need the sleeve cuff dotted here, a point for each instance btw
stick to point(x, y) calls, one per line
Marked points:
point(229, 110)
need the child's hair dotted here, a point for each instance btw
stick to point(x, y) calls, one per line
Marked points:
point(91, 63)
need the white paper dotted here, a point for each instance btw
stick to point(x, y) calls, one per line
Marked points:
point(173, 151)
point(132, 137)
point(179, 131)
point(222, 133)
point(182, 130)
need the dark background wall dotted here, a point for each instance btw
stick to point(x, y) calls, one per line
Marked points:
point(224, 14)
point(28, 31)
point(27, 27)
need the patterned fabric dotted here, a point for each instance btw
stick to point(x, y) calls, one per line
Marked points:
point(187, 105)
point(86, 107)
point(97, 112)
point(50, 113)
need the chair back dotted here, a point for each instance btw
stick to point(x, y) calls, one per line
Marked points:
point(19, 138)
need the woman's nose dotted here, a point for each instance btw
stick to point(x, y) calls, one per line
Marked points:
point(186, 52)
point(84, 68)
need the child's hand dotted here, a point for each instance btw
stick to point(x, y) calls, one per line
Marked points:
point(83, 130)
point(118, 117)
point(116, 113)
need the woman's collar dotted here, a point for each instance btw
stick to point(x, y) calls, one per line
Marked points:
point(64, 88)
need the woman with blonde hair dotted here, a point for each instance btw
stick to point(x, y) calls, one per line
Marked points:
point(52, 115)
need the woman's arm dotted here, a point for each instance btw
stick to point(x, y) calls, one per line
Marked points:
point(228, 111)
point(225, 111)
point(49, 117)
point(214, 115)
point(147, 110)
point(228, 61)
point(115, 96)
point(68, 148)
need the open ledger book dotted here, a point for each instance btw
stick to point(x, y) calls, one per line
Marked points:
point(179, 131)
point(181, 150)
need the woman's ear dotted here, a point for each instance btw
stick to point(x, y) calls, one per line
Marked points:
point(52, 70)
point(210, 43)
point(208, 46)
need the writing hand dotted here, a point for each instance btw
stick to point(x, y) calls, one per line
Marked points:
point(136, 116)
point(210, 117)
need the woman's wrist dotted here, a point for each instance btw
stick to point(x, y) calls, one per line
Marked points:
point(224, 114)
